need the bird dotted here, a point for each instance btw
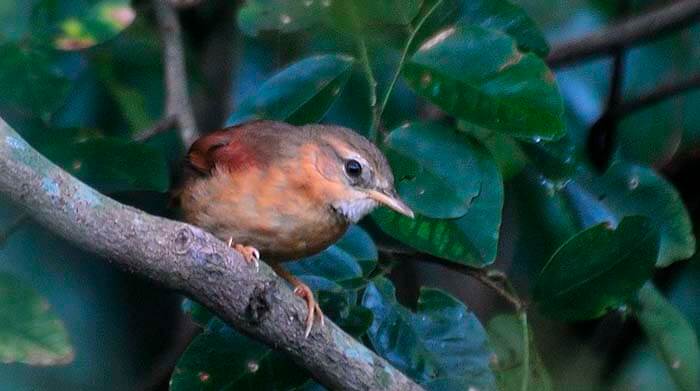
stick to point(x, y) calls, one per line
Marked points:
point(282, 192)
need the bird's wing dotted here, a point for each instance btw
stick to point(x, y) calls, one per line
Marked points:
point(232, 148)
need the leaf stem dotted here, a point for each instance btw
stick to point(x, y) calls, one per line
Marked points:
point(522, 315)
point(404, 55)
point(372, 84)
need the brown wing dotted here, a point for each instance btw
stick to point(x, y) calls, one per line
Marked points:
point(236, 147)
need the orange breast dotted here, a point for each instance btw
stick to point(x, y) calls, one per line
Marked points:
point(281, 209)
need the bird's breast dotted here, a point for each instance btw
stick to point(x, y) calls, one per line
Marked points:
point(279, 209)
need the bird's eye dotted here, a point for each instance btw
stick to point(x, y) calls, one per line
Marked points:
point(353, 168)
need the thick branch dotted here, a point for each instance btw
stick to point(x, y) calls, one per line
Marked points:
point(192, 261)
point(177, 101)
point(628, 32)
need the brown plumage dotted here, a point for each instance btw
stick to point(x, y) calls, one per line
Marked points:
point(285, 191)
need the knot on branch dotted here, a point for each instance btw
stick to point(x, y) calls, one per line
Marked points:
point(261, 300)
point(183, 241)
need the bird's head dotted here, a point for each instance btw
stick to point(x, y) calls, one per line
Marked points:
point(358, 172)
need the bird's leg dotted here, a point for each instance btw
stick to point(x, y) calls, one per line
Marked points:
point(250, 254)
point(303, 291)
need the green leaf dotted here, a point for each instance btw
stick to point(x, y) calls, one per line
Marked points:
point(506, 337)
point(442, 339)
point(286, 16)
point(439, 171)
point(506, 151)
point(499, 15)
point(222, 359)
point(110, 164)
point(629, 189)
point(341, 261)
point(480, 76)
point(30, 80)
point(671, 336)
point(399, 12)
point(299, 94)
point(30, 333)
point(420, 154)
point(360, 245)
point(597, 270)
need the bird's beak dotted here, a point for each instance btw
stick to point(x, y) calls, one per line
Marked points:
point(392, 200)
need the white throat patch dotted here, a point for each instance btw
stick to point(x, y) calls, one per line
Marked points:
point(355, 210)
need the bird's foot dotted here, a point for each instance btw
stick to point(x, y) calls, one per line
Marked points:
point(250, 254)
point(303, 291)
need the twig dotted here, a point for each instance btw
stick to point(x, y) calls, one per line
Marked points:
point(601, 139)
point(628, 32)
point(663, 91)
point(486, 277)
point(372, 84)
point(177, 101)
point(161, 126)
point(219, 49)
point(189, 260)
point(404, 55)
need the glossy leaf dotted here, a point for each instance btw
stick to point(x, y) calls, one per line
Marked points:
point(506, 151)
point(30, 81)
point(480, 76)
point(506, 337)
point(499, 15)
point(598, 270)
point(300, 93)
point(222, 359)
point(30, 333)
point(399, 12)
point(629, 189)
point(341, 261)
point(442, 339)
point(672, 337)
point(110, 164)
point(439, 171)
point(421, 153)
point(281, 15)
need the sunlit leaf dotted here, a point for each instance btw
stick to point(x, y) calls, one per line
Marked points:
point(30, 333)
point(598, 270)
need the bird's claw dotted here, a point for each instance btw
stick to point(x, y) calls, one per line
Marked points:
point(250, 254)
point(314, 309)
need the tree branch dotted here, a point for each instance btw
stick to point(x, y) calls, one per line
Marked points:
point(177, 101)
point(187, 259)
point(628, 32)
point(661, 92)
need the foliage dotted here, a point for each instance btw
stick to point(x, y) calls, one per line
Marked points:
point(488, 145)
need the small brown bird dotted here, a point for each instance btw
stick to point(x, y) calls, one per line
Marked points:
point(285, 192)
